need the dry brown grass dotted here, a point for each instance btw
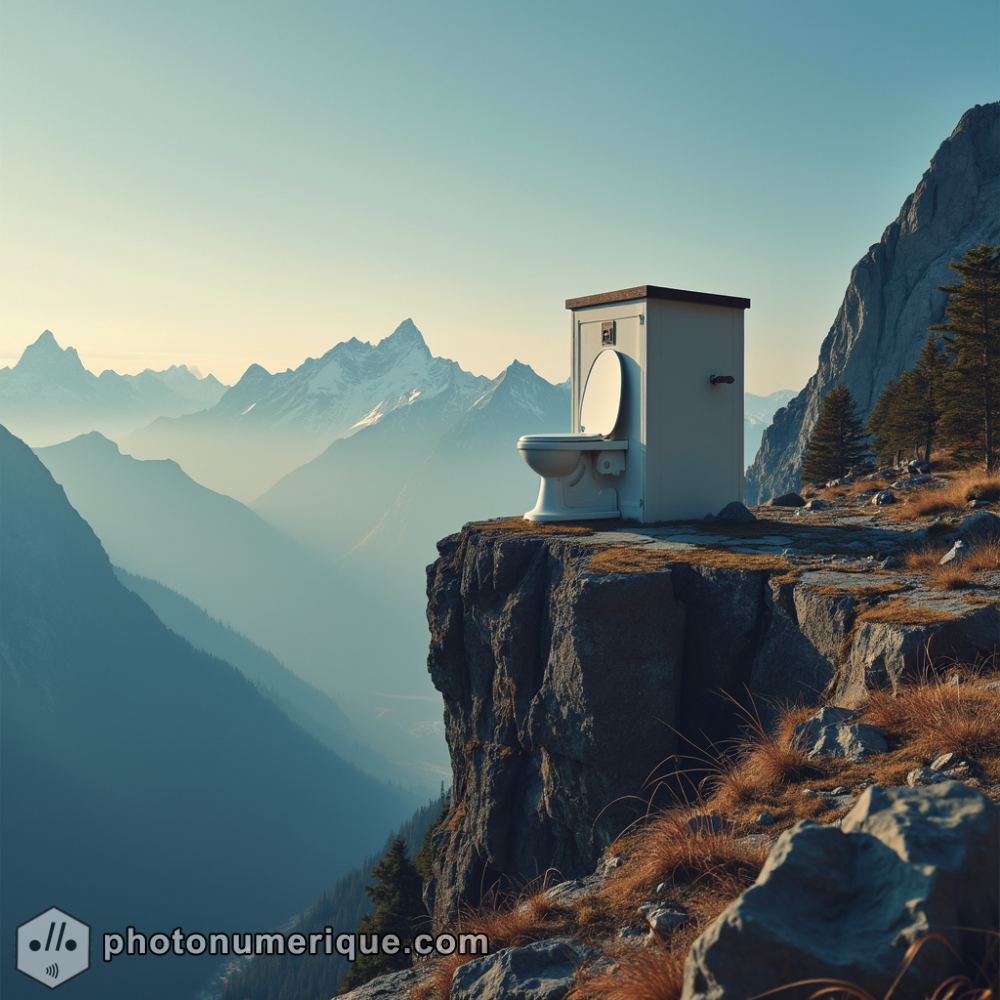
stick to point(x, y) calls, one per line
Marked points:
point(704, 869)
point(925, 555)
point(507, 922)
point(861, 590)
point(962, 486)
point(760, 762)
point(931, 715)
point(655, 973)
point(669, 850)
point(640, 559)
point(900, 611)
point(982, 556)
point(519, 526)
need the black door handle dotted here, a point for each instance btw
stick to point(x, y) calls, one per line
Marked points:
point(716, 379)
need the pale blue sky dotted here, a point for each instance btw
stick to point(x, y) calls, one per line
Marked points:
point(224, 183)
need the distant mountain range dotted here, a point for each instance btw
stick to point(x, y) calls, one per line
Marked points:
point(49, 396)
point(420, 471)
point(267, 425)
point(758, 412)
point(146, 783)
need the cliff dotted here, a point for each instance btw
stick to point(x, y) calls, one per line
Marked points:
point(893, 294)
point(574, 661)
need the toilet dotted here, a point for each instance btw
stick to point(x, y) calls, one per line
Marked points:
point(656, 409)
point(578, 470)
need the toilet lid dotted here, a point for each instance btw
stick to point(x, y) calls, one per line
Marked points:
point(602, 396)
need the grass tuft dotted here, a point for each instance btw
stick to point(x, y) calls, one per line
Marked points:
point(638, 974)
point(642, 559)
point(519, 526)
point(932, 715)
point(961, 487)
point(507, 921)
point(900, 611)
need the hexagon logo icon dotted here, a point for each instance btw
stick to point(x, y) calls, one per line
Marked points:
point(53, 947)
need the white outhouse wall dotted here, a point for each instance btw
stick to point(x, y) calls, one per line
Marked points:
point(685, 454)
point(694, 429)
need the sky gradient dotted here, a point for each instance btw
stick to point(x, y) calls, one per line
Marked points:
point(226, 183)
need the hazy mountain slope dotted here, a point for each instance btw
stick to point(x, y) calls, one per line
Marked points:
point(893, 292)
point(758, 411)
point(333, 630)
point(49, 396)
point(334, 501)
point(145, 783)
point(317, 713)
point(317, 978)
point(157, 522)
point(267, 425)
point(476, 471)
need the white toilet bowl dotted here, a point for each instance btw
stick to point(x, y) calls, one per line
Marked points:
point(574, 467)
point(571, 467)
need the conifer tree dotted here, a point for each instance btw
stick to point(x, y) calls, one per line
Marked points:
point(972, 345)
point(881, 425)
point(907, 413)
point(399, 908)
point(838, 440)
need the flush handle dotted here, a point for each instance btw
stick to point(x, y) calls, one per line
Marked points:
point(716, 379)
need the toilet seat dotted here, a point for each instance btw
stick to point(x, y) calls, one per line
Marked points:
point(577, 470)
point(584, 442)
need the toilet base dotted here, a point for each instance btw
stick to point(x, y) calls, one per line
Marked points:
point(603, 506)
point(575, 514)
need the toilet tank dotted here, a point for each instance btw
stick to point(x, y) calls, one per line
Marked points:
point(685, 455)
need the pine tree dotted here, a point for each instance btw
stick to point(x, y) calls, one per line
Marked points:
point(972, 346)
point(906, 415)
point(881, 425)
point(838, 440)
point(399, 908)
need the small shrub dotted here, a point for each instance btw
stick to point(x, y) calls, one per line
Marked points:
point(638, 974)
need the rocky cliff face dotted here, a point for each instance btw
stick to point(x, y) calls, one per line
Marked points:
point(574, 665)
point(893, 295)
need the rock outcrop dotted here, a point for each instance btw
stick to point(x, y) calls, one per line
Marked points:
point(893, 294)
point(847, 903)
point(573, 666)
point(544, 669)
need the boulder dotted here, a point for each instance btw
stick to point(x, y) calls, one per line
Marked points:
point(924, 776)
point(983, 526)
point(786, 500)
point(883, 497)
point(847, 903)
point(829, 733)
point(734, 513)
point(394, 986)
point(543, 970)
